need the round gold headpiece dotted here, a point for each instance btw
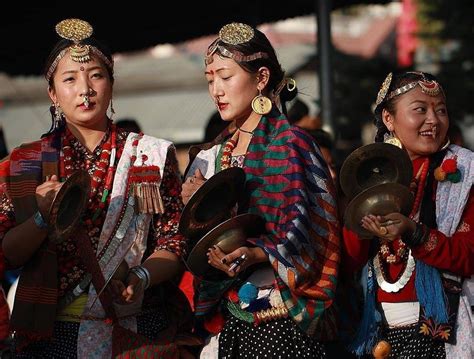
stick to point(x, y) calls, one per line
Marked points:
point(384, 89)
point(236, 33)
point(74, 29)
point(77, 30)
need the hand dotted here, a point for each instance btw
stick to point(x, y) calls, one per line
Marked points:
point(218, 259)
point(129, 292)
point(388, 227)
point(45, 194)
point(191, 185)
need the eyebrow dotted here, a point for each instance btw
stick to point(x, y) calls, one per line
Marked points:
point(425, 102)
point(87, 69)
point(216, 71)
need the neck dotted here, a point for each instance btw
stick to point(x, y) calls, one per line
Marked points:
point(90, 137)
point(249, 124)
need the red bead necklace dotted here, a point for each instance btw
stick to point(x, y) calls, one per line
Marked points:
point(400, 255)
point(105, 168)
point(227, 153)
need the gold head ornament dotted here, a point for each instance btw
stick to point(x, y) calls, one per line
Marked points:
point(76, 30)
point(429, 87)
point(233, 34)
point(236, 33)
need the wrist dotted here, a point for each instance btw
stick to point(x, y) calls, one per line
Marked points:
point(39, 220)
point(416, 237)
point(143, 274)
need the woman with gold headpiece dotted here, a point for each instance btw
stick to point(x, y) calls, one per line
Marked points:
point(128, 231)
point(278, 300)
point(418, 271)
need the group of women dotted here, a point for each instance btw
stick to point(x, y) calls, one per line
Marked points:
point(291, 272)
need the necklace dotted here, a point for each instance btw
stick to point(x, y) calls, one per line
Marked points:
point(400, 282)
point(420, 178)
point(227, 153)
point(245, 131)
point(104, 168)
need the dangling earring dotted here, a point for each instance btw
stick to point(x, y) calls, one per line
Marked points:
point(261, 104)
point(58, 116)
point(446, 145)
point(392, 139)
point(112, 111)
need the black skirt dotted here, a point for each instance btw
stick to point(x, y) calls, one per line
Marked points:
point(277, 339)
point(407, 344)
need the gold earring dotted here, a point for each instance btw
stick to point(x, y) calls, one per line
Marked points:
point(261, 104)
point(393, 140)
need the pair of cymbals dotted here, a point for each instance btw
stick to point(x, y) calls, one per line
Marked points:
point(376, 178)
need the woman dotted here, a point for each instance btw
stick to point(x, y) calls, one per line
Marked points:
point(293, 268)
point(56, 312)
point(418, 270)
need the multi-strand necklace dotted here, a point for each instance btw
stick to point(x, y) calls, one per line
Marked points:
point(402, 254)
point(104, 169)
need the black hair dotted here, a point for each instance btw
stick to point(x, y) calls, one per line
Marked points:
point(297, 111)
point(260, 43)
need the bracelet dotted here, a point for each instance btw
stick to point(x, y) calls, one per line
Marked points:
point(419, 235)
point(143, 274)
point(39, 220)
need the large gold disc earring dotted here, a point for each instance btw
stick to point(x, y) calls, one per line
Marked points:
point(261, 104)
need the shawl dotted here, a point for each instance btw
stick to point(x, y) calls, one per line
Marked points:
point(288, 183)
point(36, 296)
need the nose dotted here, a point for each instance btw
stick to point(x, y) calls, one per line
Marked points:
point(216, 90)
point(432, 117)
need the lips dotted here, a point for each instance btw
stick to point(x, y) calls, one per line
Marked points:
point(429, 133)
point(222, 106)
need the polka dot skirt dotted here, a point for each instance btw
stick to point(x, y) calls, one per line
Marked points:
point(277, 339)
point(407, 344)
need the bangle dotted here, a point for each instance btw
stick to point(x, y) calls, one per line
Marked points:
point(143, 274)
point(419, 236)
point(39, 220)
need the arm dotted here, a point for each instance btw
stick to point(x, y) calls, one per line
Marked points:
point(168, 245)
point(355, 251)
point(456, 253)
point(20, 242)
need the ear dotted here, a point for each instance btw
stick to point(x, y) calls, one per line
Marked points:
point(52, 94)
point(263, 76)
point(387, 119)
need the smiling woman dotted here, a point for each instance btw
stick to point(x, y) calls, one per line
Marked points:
point(420, 267)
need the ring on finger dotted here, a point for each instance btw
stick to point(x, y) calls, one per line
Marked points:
point(383, 231)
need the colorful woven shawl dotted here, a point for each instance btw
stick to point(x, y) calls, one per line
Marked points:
point(288, 184)
point(36, 296)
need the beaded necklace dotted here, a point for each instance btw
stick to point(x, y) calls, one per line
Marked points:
point(227, 153)
point(105, 168)
point(401, 251)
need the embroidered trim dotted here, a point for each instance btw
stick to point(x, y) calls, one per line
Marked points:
point(432, 242)
point(464, 227)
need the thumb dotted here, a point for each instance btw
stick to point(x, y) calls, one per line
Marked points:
point(198, 174)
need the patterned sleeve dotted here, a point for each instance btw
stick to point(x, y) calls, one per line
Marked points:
point(455, 253)
point(165, 226)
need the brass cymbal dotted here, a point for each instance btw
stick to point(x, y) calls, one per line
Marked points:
point(212, 203)
point(229, 236)
point(380, 200)
point(68, 206)
point(375, 164)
